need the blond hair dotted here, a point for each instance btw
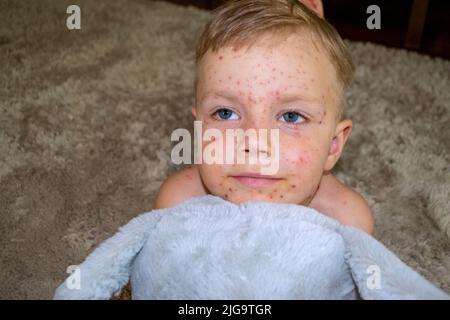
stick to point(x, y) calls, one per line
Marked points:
point(240, 23)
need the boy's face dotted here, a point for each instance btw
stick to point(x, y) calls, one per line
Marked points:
point(291, 87)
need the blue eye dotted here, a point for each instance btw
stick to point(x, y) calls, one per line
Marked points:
point(226, 114)
point(292, 117)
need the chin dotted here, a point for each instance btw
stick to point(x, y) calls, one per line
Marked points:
point(255, 197)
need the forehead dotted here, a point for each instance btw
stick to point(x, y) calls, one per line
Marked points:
point(293, 62)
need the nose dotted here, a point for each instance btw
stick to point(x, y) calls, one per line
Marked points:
point(255, 139)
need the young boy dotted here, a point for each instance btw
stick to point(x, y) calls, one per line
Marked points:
point(274, 64)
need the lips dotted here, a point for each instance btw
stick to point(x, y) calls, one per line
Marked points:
point(256, 180)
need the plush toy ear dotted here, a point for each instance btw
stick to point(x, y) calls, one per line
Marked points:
point(380, 274)
point(107, 269)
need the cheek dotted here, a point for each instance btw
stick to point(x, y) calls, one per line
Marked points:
point(297, 153)
point(295, 159)
point(212, 175)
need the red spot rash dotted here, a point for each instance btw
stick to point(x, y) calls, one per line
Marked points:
point(238, 82)
point(226, 196)
point(293, 186)
point(281, 196)
point(221, 57)
point(229, 189)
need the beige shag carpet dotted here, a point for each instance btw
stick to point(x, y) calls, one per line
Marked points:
point(86, 117)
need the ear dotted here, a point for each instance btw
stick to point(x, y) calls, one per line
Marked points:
point(194, 112)
point(341, 135)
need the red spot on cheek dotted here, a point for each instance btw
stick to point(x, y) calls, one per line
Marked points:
point(188, 176)
point(231, 190)
point(293, 186)
point(226, 196)
point(238, 82)
point(281, 196)
point(221, 57)
point(302, 159)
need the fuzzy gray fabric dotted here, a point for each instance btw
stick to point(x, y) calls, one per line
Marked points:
point(209, 248)
point(86, 117)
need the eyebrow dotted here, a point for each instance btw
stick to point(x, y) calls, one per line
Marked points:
point(291, 97)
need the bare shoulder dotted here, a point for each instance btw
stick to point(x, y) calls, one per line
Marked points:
point(344, 204)
point(178, 187)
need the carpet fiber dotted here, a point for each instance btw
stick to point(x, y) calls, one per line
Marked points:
point(86, 117)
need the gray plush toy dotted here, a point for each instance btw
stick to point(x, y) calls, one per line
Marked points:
point(209, 248)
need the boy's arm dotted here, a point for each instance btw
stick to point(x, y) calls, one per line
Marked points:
point(178, 187)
